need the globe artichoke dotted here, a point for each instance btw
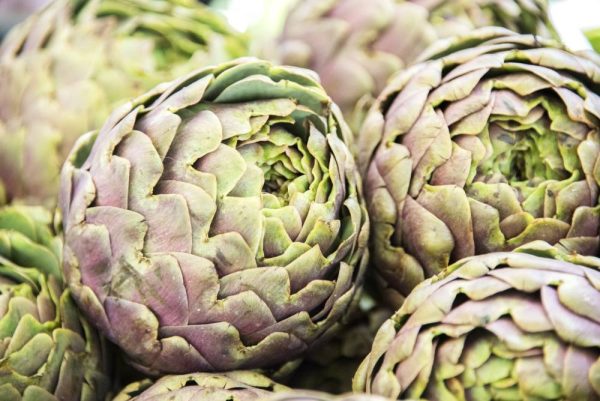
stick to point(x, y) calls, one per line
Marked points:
point(520, 325)
point(231, 386)
point(317, 396)
point(366, 44)
point(217, 222)
point(47, 350)
point(66, 67)
point(491, 144)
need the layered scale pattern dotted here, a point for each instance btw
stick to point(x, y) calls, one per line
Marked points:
point(217, 222)
point(48, 352)
point(231, 386)
point(490, 145)
point(356, 48)
point(300, 395)
point(65, 68)
point(523, 325)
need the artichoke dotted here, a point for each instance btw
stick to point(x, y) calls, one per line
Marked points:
point(366, 44)
point(330, 365)
point(491, 144)
point(593, 35)
point(520, 325)
point(299, 395)
point(217, 222)
point(48, 352)
point(64, 69)
point(231, 386)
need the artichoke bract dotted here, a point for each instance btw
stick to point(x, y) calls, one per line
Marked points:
point(356, 47)
point(217, 222)
point(593, 35)
point(502, 326)
point(491, 144)
point(231, 386)
point(47, 350)
point(64, 69)
point(299, 395)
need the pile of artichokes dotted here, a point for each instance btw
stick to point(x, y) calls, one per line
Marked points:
point(401, 204)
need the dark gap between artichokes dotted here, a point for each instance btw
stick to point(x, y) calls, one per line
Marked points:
point(491, 144)
point(179, 247)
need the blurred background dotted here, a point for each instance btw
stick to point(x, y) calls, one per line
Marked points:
point(265, 18)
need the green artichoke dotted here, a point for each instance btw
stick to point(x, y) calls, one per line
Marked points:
point(48, 352)
point(231, 386)
point(521, 325)
point(355, 47)
point(65, 68)
point(491, 144)
point(217, 222)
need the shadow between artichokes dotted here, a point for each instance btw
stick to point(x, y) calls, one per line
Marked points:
point(355, 47)
point(66, 67)
point(330, 365)
point(217, 222)
point(48, 352)
point(522, 325)
point(489, 145)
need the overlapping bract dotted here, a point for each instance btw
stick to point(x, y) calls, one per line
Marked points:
point(492, 144)
point(65, 68)
point(47, 350)
point(519, 325)
point(231, 386)
point(217, 222)
point(299, 395)
point(355, 47)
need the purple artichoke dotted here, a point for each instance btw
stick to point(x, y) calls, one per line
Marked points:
point(216, 223)
point(355, 46)
point(491, 144)
point(522, 325)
